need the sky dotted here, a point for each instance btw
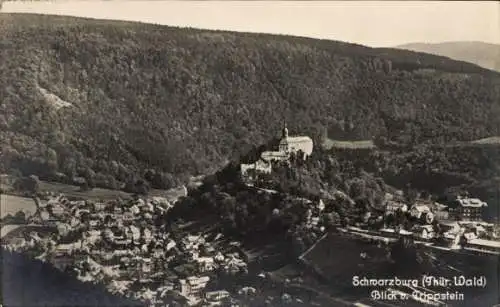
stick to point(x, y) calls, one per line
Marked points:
point(372, 23)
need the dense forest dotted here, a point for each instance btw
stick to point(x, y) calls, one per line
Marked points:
point(444, 171)
point(115, 102)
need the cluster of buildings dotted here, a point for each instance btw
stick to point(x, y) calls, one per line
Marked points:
point(457, 223)
point(287, 146)
point(125, 245)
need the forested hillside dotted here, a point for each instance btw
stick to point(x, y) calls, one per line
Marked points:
point(107, 100)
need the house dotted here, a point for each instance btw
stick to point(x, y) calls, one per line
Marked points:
point(147, 207)
point(479, 230)
point(320, 206)
point(314, 221)
point(74, 222)
point(425, 232)
point(484, 245)
point(99, 206)
point(467, 209)
point(219, 257)
point(422, 212)
point(61, 260)
point(191, 241)
point(158, 253)
point(162, 202)
point(449, 226)
point(470, 235)
point(63, 228)
point(193, 285)
point(128, 216)
point(108, 234)
point(391, 207)
point(147, 235)
point(93, 223)
point(133, 233)
point(135, 209)
point(260, 166)
point(171, 244)
point(56, 209)
point(440, 211)
point(93, 236)
point(216, 296)
point(47, 219)
point(81, 212)
point(206, 264)
point(247, 291)
point(146, 265)
point(121, 241)
point(271, 156)
point(233, 265)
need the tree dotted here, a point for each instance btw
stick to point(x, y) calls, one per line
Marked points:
point(20, 217)
point(84, 186)
point(331, 219)
point(162, 180)
point(29, 184)
point(141, 187)
point(390, 220)
point(52, 159)
point(89, 176)
point(411, 195)
point(149, 175)
point(298, 244)
point(69, 167)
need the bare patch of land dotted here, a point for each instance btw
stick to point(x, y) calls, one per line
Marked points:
point(10, 204)
point(494, 140)
point(365, 144)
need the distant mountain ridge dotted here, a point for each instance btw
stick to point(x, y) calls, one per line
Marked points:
point(486, 55)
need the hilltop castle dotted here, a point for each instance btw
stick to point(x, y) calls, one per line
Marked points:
point(287, 146)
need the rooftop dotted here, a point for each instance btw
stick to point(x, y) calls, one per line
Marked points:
point(486, 243)
point(296, 139)
point(471, 202)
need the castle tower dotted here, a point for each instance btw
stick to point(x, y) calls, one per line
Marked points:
point(283, 145)
point(284, 133)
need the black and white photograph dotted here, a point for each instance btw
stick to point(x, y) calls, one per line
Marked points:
point(158, 153)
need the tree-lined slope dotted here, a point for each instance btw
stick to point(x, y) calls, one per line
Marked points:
point(109, 99)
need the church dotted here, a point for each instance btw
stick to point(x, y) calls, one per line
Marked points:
point(288, 145)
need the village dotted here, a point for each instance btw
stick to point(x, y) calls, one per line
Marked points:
point(119, 244)
point(128, 246)
point(454, 225)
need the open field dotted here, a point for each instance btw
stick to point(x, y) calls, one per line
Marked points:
point(366, 144)
point(103, 194)
point(10, 204)
point(74, 191)
point(494, 140)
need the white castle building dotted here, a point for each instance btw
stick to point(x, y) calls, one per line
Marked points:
point(287, 146)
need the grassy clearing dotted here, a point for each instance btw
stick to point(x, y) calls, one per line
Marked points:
point(74, 191)
point(10, 204)
point(103, 194)
point(366, 144)
point(494, 140)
